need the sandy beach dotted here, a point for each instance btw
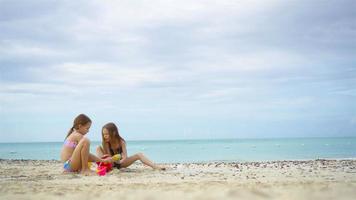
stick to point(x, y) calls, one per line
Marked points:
point(316, 179)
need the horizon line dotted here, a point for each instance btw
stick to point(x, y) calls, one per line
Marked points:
point(195, 139)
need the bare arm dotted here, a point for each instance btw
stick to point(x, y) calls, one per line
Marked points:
point(124, 151)
point(93, 158)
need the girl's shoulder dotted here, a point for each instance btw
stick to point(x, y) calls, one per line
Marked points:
point(76, 137)
point(122, 143)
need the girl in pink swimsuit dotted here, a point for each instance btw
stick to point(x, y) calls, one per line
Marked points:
point(75, 152)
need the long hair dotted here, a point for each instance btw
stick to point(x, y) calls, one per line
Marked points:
point(114, 134)
point(79, 120)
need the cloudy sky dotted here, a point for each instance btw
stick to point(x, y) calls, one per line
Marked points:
point(178, 69)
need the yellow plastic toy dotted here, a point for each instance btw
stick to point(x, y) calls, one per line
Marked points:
point(90, 164)
point(116, 157)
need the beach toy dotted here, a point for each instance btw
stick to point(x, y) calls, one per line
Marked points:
point(90, 164)
point(116, 157)
point(101, 170)
point(107, 166)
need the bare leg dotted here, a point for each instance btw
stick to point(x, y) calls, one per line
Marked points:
point(99, 151)
point(79, 159)
point(85, 158)
point(129, 160)
point(94, 158)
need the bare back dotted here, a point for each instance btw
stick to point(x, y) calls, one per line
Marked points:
point(67, 151)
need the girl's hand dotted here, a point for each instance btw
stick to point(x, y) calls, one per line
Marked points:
point(107, 160)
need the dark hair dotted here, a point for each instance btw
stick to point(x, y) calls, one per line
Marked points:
point(114, 133)
point(79, 120)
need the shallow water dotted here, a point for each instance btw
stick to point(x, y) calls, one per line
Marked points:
point(206, 150)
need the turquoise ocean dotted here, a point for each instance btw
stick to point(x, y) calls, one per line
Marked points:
point(229, 150)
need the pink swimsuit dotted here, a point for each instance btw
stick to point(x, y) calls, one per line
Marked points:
point(70, 144)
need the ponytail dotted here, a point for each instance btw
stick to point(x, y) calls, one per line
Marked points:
point(79, 120)
point(70, 131)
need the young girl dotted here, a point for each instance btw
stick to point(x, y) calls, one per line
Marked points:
point(113, 143)
point(75, 152)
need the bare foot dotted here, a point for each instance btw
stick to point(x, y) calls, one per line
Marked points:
point(88, 172)
point(159, 168)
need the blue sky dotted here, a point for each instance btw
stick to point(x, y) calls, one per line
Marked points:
point(178, 69)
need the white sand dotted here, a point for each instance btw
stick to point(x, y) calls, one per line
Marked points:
point(320, 179)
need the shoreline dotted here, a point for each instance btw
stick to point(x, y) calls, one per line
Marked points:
point(212, 161)
point(306, 179)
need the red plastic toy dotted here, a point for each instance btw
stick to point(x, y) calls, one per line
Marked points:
point(102, 165)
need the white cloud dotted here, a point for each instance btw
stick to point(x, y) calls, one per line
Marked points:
point(99, 75)
point(250, 62)
point(21, 49)
point(127, 22)
point(219, 95)
point(294, 102)
point(35, 88)
point(227, 59)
